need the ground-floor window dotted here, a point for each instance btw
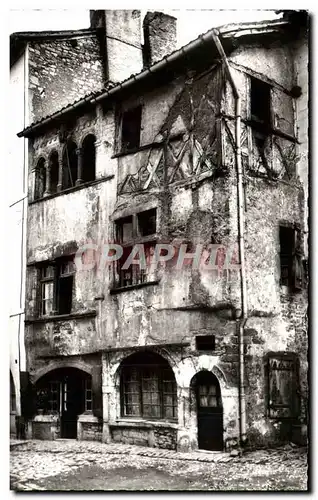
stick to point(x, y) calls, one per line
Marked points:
point(282, 385)
point(148, 387)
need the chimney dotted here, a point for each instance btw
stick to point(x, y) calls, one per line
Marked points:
point(160, 36)
point(121, 46)
point(97, 19)
point(123, 43)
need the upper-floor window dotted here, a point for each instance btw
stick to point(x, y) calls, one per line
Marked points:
point(69, 176)
point(54, 172)
point(138, 229)
point(57, 282)
point(89, 158)
point(291, 274)
point(260, 104)
point(130, 129)
point(40, 179)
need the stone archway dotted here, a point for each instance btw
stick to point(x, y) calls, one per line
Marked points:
point(62, 395)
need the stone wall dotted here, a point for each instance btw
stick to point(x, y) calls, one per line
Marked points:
point(145, 434)
point(160, 36)
point(90, 431)
point(61, 72)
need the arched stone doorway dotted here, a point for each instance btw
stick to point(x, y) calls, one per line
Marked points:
point(66, 392)
point(207, 392)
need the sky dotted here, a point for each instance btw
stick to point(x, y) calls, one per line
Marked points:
point(190, 23)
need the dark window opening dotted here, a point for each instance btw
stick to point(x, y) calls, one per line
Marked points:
point(69, 165)
point(205, 342)
point(130, 133)
point(131, 231)
point(147, 222)
point(260, 103)
point(65, 286)
point(40, 180)
point(148, 388)
point(291, 274)
point(283, 385)
point(57, 282)
point(124, 229)
point(89, 159)
point(135, 274)
point(54, 172)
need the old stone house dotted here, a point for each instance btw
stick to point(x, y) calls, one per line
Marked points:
point(197, 148)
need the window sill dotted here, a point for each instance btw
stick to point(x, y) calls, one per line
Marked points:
point(73, 189)
point(121, 289)
point(61, 317)
point(130, 422)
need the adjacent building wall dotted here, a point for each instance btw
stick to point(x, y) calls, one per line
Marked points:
point(16, 243)
point(63, 71)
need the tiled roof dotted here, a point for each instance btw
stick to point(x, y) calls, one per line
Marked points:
point(227, 32)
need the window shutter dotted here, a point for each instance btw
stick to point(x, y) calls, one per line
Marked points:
point(283, 112)
point(297, 261)
point(97, 391)
point(283, 384)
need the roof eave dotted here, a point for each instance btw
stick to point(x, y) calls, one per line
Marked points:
point(226, 32)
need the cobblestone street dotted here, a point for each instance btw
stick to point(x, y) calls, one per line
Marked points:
point(79, 465)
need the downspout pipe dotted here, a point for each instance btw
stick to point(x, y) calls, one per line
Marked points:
point(241, 220)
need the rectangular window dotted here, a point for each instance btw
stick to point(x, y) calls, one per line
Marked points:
point(147, 222)
point(54, 397)
point(47, 290)
point(131, 231)
point(205, 342)
point(130, 129)
point(56, 283)
point(88, 395)
point(132, 406)
point(260, 103)
point(283, 397)
point(124, 229)
point(290, 257)
point(65, 286)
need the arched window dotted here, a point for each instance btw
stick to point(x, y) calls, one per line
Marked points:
point(89, 158)
point(54, 171)
point(40, 179)
point(148, 387)
point(69, 165)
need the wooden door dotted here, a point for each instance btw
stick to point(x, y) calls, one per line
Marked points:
point(210, 412)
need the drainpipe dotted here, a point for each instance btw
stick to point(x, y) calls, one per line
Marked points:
point(240, 197)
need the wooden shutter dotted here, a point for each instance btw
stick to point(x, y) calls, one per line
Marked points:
point(297, 261)
point(283, 112)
